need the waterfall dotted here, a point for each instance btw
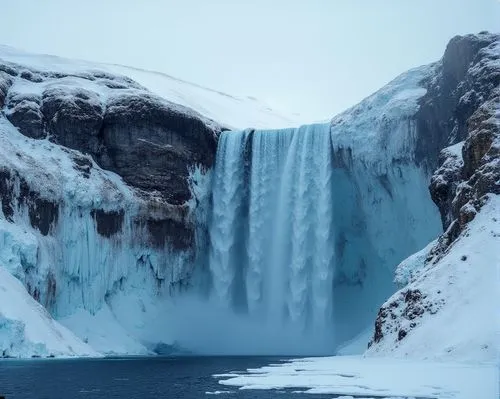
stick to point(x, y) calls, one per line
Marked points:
point(305, 233)
point(272, 253)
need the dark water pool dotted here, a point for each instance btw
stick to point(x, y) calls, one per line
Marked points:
point(131, 378)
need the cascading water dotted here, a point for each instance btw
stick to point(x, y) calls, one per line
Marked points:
point(271, 230)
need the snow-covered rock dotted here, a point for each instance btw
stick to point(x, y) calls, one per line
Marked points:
point(450, 310)
point(229, 110)
point(449, 307)
point(28, 330)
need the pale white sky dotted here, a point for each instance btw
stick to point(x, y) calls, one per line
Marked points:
point(315, 57)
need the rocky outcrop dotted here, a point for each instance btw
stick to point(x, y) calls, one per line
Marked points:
point(152, 144)
point(459, 186)
point(462, 106)
point(148, 141)
point(465, 78)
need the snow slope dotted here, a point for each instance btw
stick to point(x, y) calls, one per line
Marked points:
point(231, 111)
point(26, 328)
point(459, 300)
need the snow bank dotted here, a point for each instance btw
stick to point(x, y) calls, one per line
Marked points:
point(26, 328)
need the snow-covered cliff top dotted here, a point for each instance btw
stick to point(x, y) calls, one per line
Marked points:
point(228, 110)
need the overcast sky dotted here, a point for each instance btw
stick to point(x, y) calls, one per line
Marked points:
point(315, 57)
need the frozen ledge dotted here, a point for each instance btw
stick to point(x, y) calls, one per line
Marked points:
point(358, 377)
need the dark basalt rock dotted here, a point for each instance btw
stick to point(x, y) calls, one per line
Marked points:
point(6, 194)
point(5, 83)
point(8, 68)
point(108, 223)
point(478, 176)
point(402, 313)
point(73, 117)
point(379, 322)
point(458, 186)
point(444, 184)
point(169, 231)
point(43, 213)
point(23, 111)
point(460, 105)
point(31, 76)
point(152, 145)
point(148, 141)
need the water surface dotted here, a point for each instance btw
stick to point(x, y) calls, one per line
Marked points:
point(131, 378)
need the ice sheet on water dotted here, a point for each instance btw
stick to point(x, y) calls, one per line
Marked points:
point(355, 376)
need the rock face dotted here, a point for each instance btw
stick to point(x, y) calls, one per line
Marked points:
point(466, 77)
point(152, 144)
point(471, 169)
point(461, 109)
